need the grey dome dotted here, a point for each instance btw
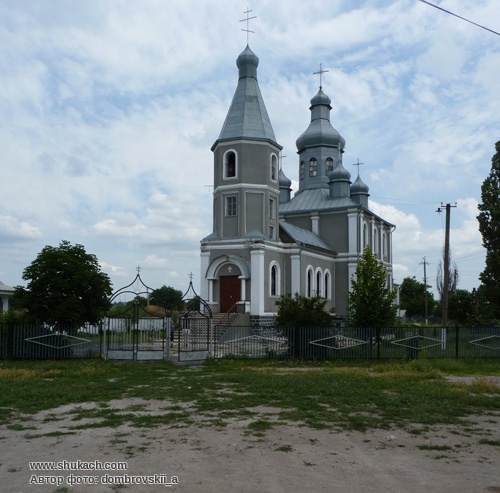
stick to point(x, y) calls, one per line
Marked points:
point(247, 63)
point(320, 131)
point(359, 186)
point(283, 180)
point(340, 174)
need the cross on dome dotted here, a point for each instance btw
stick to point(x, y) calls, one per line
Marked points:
point(247, 20)
point(320, 72)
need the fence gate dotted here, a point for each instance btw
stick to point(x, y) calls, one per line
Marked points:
point(195, 334)
point(135, 334)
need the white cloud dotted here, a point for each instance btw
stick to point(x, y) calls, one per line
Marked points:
point(109, 111)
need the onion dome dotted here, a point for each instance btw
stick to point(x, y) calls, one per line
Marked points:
point(340, 174)
point(247, 63)
point(320, 131)
point(284, 182)
point(359, 187)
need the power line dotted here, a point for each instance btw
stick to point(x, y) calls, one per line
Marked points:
point(460, 17)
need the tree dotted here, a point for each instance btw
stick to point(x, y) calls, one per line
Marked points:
point(167, 297)
point(301, 311)
point(452, 277)
point(461, 307)
point(298, 316)
point(413, 297)
point(371, 300)
point(65, 287)
point(489, 226)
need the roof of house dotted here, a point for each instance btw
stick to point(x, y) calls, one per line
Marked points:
point(6, 289)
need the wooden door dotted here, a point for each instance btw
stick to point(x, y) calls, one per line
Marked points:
point(230, 293)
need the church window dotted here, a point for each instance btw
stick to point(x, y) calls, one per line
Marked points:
point(271, 232)
point(309, 281)
point(231, 208)
point(274, 168)
point(230, 164)
point(319, 284)
point(275, 279)
point(326, 292)
point(328, 165)
point(302, 170)
point(271, 209)
point(313, 167)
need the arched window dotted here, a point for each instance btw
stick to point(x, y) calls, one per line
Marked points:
point(326, 292)
point(309, 282)
point(318, 291)
point(328, 165)
point(274, 285)
point(230, 164)
point(313, 167)
point(274, 167)
point(302, 170)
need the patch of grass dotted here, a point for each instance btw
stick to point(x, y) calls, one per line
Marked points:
point(20, 427)
point(435, 447)
point(284, 448)
point(333, 394)
point(495, 443)
point(260, 425)
point(49, 434)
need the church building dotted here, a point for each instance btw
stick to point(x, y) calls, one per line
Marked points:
point(265, 242)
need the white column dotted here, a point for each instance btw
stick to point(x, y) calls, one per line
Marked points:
point(204, 284)
point(352, 220)
point(295, 273)
point(210, 290)
point(243, 289)
point(257, 289)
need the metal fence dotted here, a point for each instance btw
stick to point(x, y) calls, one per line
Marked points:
point(42, 341)
point(341, 343)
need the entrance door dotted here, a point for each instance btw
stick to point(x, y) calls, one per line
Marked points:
point(230, 293)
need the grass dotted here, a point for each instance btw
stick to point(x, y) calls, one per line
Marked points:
point(342, 395)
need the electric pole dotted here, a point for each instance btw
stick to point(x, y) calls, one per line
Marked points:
point(446, 274)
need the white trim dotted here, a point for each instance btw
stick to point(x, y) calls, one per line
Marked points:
point(257, 257)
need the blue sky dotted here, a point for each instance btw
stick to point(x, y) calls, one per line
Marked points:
point(109, 109)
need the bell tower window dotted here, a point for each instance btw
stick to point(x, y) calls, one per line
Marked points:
point(328, 165)
point(231, 208)
point(274, 168)
point(230, 164)
point(302, 170)
point(313, 167)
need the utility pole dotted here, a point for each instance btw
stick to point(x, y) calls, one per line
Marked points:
point(446, 275)
point(425, 289)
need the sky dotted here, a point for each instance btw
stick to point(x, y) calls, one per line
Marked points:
point(108, 111)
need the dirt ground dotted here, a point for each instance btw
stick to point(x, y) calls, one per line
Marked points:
point(285, 458)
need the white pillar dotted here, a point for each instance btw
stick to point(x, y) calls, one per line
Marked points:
point(204, 283)
point(257, 289)
point(295, 273)
point(352, 218)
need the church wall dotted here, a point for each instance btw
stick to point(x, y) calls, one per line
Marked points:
point(333, 229)
point(254, 211)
